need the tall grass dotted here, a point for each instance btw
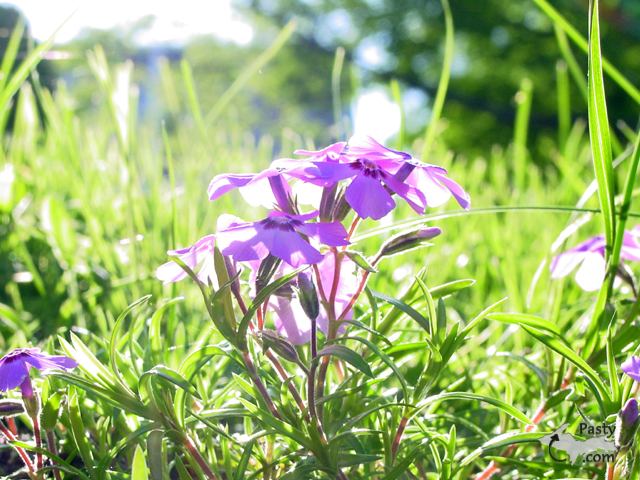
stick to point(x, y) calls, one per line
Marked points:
point(96, 202)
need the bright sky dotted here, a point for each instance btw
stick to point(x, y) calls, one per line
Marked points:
point(175, 21)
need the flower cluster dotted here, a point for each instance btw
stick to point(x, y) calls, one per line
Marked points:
point(362, 176)
point(588, 259)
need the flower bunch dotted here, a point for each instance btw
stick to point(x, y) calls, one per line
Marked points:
point(304, 278)
point(362, 176)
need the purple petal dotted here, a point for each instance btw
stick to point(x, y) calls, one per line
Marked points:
point(332, 152)
point(591, 272)
point(332, 234)
point(12, 373)
point(301, 218)
point(291, 321)
point(42, 361)
point(563, 264)
point(632, 367)
point(366, 147)
point(191, 256)
point(290, 247)
point(461, 196)
point(414, 197)
point(242, 242)
point(369, 198)
point(221, 184)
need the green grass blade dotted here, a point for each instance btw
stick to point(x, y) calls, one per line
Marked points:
point(443, 84)
point(246, 75)
point(615, 74)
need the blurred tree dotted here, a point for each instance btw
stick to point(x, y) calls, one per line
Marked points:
point(498, 43)
point(10, 17)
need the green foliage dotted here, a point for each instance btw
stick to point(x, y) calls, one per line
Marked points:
point(453, 353)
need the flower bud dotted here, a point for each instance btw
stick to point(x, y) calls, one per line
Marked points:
point(408, 241)
point(327, 201)
point(308, 295)
point(10, 408)
point(266, 271)
point(627, 424)
point(282, 347)
point(341, 209)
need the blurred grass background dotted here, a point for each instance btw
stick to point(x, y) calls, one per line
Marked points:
point(92, 196)
point(104, 159)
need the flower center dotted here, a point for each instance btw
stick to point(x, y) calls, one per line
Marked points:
point(368, 168)
point(284, 223)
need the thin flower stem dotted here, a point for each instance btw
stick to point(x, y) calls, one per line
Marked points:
point(335, 283)
point(253, 373)
point(12, 425)
point(21, 452)
point(53, 448)
point(354, 226)
point(354, 298)
point(611, 470)
point(311, 382)
point(282, 373)
point(395, 446)
point(37, 432)
point(195, 454)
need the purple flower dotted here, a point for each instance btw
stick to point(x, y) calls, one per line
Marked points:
point(281, 235)
point(200, 253)
point(632, 367)
point(376, 172)
point(629, 413)
point(268, 188)
point(290, 319)
point(588, 258)
point(15, 365)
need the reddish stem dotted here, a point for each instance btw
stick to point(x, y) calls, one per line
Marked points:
point(488, 472)
point(195, 454)
point(51, 444)
point(395, 446)
point(38, 437)
point(282, 373)
point(12, 425)
point(353, 227)
point(253, 373)
point(21, 452)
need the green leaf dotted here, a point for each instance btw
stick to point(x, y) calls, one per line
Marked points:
point(116, 338)
point(592, 377)
point(361, 261)
point(139, 469)
point(505, 407)
point(501, 441)
point(156, 457)
point(167, 374)
point(599, 129)
point(524, 319)
point(241, 469)
point(348, 355)
point(384, 357)
point(224, 295)
point(78, 431)
point(241, 338)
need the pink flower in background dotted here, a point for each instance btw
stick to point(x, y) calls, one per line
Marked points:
point(198, 254)
point(588, 259)
point(281, 235)
point(632, 367)
point(15, 366)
